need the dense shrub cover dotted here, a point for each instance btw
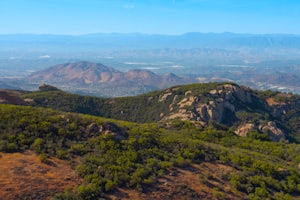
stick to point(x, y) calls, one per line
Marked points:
point(265, 170)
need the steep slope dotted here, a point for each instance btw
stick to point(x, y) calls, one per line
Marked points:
point(243, 110)
point(97, 79)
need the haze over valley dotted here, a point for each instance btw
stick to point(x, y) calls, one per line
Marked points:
point(259, 61)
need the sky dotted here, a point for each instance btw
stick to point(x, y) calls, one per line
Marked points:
point(172, 17)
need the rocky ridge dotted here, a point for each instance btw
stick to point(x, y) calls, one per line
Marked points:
point(225, 104)
point(240, 109)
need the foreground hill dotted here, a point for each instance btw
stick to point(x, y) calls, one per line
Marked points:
point(240, 109)
point(125, 160)
point(100, 80)
point(27, 177)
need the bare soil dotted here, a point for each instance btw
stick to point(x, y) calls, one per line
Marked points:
point(24, 176)
point(204, 181)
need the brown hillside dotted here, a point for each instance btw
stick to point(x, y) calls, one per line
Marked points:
point(204, 181)
point(24, 176)
point(96, 78)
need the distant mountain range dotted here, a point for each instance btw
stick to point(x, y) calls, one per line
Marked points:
point(108, 41)
point(97, 79)
point(260, 61)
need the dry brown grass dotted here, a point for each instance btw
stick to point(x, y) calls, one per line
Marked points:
point(204, 181)
point(24, 176)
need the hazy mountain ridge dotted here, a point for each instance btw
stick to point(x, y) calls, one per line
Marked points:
point(214, 56)
point(140, 41)
point(77, 73)
point(97, 79)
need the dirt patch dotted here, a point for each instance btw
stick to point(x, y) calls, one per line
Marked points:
point(204, 181)
point(272, 102)
point(24, 176)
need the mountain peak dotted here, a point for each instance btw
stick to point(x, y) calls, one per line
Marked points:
point(45, 87)
point(84, 65)
point(97, 78)
point(82, 72)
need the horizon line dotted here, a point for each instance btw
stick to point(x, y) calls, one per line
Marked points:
point(148, 34)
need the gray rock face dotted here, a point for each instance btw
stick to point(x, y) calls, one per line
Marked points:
point(221, 105)
point(222, 102)
point(272, 130)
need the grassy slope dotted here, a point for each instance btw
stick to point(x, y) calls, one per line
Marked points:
point(149, 108)
point(141, 108)
point(151, 152)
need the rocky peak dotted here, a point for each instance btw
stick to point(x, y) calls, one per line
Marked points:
point(98, 78)
point(227, 104)
point(45, 88)
point(141, 74)
point(219, 104)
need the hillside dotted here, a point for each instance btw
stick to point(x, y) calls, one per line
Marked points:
point(27, 177)
point(99, 80)
point(236, 107)
point(124, 160)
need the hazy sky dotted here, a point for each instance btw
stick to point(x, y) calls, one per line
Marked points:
point(149, 16)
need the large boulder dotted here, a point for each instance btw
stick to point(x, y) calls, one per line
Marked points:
point(117, 132)
point(244, 129)
point(108, 128)
point(272, 130)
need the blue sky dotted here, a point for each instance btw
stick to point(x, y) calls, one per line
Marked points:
point(149, 16)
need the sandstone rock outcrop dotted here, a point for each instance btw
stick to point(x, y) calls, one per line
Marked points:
point(244, 129)
point(218, 105)
point(108, 128)
point(221, 105)
point(272, 130)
